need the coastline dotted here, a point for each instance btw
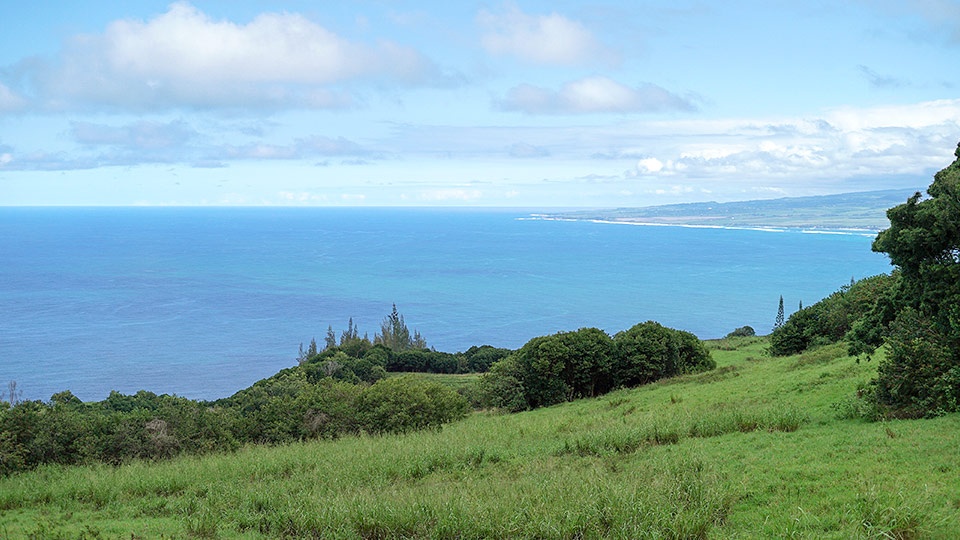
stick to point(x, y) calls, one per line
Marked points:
point(804, 229)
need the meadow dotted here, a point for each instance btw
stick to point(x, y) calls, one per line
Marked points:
point(759, 447)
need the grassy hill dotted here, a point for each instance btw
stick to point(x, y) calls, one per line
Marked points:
point(759, 447)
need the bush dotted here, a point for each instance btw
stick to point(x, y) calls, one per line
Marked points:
point(480, 359)
point(552, 369)
point(498, 389)
point(649, 351)
point(406, 403)
point(838, 316)
point(743, 331)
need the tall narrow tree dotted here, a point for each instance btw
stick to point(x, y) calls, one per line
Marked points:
point(779, 322)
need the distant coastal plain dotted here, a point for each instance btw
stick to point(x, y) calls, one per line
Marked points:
point(862, 211)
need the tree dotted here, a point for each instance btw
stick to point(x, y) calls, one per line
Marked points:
point(331, 340)
point(743, 331)
point(921, 319)
point(779, 322)
point(395, 334)
point(350, 334)
point(650, 351)
point(13, 395)
point(832, 319)
point(407, 403)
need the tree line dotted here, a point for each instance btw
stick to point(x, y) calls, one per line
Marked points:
point(343, 389)
point(914, 311)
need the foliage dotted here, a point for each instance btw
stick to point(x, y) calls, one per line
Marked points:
point(779, 320)
point(557, 368)
point(649, 351)
point(568, 365)
point(700, 457)
point(500, 389)
point(479, 359)
point(402, 404)
point(117, 429)
point(833, 318)
point(920, 319)
point(324, 398)
point(743, 331)
point(395, 334)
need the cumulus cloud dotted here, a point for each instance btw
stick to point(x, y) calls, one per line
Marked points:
point(846, 143)
point(540, 39)
point(593, 95)
point(185, 58)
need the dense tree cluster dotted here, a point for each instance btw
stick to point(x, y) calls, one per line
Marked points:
point(919, 319)
point(552, 369)
point(833, 318)
point(341, 390)
point(914, 311)
point(394, 349)
point(284, 408)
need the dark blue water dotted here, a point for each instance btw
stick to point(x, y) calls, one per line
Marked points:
point(204, 302)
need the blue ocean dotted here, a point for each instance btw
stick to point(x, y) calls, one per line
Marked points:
point(203, 302)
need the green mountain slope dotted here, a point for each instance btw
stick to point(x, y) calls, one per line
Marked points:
point(759, 447)
point(866, 210)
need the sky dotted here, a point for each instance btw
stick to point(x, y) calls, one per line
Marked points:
point(507, 104)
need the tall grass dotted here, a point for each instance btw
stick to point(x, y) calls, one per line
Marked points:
point(755, 449)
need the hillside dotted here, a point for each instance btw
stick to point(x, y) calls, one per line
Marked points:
point(760, 446)
point(863, 210)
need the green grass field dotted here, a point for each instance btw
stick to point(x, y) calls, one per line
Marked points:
point(756, 448)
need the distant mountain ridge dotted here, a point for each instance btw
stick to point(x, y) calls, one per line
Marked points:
point(860, 210)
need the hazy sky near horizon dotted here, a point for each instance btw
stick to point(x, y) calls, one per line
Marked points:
point(515, 103)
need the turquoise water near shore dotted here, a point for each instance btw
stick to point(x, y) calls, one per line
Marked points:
point(202, 302)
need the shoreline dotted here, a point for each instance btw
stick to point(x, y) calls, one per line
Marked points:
point(842, 231)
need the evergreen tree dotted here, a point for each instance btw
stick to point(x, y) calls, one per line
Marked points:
point(396, 336)
point(331, 339)
point(350, 334)
point(779, 322)
point(921, 320)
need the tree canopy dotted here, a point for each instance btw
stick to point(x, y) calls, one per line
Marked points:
point(921, 320)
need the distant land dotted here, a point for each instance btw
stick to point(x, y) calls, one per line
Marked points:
point(854, 211)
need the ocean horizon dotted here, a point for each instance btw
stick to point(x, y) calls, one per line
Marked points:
point(202, 301)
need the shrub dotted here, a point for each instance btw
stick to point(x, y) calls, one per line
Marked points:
point(838, 316)
point(498, 389)
point(743, 331)
point(402, 404)
point(649, 351)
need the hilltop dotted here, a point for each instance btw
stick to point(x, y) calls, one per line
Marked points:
point(861, 210)
point(759, 447)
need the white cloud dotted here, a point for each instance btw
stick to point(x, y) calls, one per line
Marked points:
point(593, 95)
point(540, 39)
point(185, 58)
point(649, 165)
point(843, 146)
